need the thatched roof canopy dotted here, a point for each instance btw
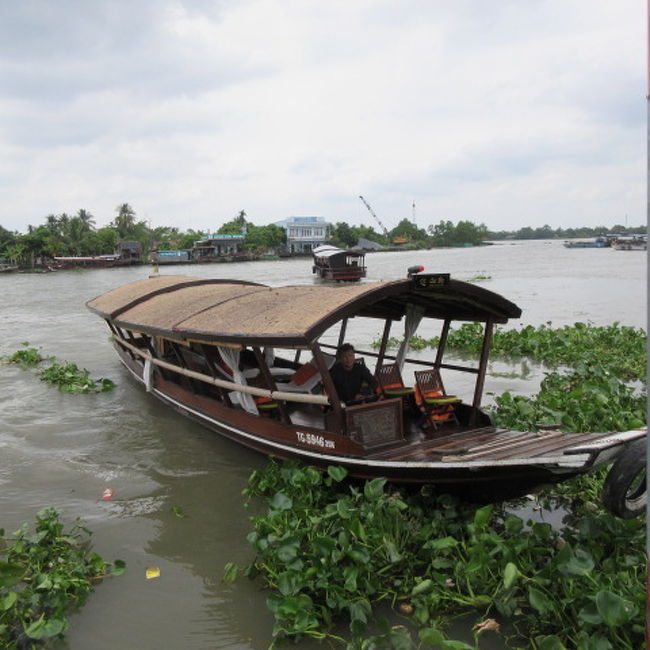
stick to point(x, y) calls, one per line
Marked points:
point(252, 314)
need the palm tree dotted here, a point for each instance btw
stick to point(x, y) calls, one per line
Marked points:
point(75, 231)
point(86, 219)
point(125, 220)
point(240, 219)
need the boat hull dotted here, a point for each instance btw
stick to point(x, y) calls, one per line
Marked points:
point(340, 275)
point(473, 479)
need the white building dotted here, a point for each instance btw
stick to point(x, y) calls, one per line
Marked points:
point(304, 233)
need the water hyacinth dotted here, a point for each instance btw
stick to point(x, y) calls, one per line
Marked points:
point(622, 349)
point(588, 398)
point(333, 552)
point(66, 376)
point(330, 552)
point(45, 575)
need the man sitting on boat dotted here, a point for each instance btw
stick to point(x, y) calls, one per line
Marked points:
point(353, 381)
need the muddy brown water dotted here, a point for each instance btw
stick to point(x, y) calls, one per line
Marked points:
point(64, 451)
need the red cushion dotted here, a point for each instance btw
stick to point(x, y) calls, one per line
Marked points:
point(303, 374)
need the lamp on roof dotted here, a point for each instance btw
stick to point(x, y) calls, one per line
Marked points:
point(412, 270)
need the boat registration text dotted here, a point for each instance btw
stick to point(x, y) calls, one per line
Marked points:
point(314, 440)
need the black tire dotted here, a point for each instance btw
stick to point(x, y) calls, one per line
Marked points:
point(624, 490)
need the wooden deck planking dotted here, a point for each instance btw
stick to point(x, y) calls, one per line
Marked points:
point(486, 445)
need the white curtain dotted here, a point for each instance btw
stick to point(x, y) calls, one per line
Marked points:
point(148, 374)
point(231, 358)
point(269, 356)
point(414, 315)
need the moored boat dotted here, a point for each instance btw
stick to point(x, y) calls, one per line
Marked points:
point(631, 243)
point(599, 242)
point(85, 261)
point(333, 263)
point(231, 355)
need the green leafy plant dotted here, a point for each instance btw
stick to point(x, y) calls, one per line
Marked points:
point(67, 376)
point(622, 349)
point(44, 575)
point(25, 358)
point(589, 398)
point(329, 552)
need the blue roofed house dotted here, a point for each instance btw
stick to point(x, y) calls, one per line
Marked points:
point(304, 233)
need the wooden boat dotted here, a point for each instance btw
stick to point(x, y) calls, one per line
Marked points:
point(85, 261)
point(632, 243)
point(231, 355)
point(333, 263)
point(599, 242)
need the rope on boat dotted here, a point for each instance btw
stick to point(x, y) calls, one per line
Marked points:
point(306, 398)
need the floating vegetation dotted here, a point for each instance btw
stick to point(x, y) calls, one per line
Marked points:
point(480, 278)
point(67, 376)
point(331, 552)
point(25, 358)
point(588, 398)
point(71, 379)
point(44, 576)
point(620, 348)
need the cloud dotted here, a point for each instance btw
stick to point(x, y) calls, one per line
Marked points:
point(511, 113)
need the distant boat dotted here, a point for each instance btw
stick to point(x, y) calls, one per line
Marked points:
point(92, 261)
point(632, 243)
point(332, 263)
point(599, 242)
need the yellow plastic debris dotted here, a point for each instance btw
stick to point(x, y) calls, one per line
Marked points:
point(152, 572)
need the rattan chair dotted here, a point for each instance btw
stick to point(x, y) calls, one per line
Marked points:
point(432, 398)
point(390, 382)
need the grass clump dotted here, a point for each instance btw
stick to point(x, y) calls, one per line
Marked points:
point(330, 552)
point(66, 376)
point(45, 575)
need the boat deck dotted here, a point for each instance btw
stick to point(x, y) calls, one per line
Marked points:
point(453, 443)
point(489, 444)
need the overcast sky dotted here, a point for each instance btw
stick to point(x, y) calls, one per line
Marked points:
point(511, 113)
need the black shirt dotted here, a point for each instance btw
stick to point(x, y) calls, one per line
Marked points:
point(350, 383)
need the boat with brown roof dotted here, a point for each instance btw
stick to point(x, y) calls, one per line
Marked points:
point(340, 265)
point(252, 362)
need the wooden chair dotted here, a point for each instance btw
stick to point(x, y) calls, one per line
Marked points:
point(266, 406)
point(432, 398)
point(391, 384)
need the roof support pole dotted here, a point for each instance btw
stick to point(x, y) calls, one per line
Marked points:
point(178, 353)
point(344, 327)
point(329, 387)
point(120, 335)
point(442, 344)
point(270, 382)
point(482, 369)
point(223, 394)
point(384, 344)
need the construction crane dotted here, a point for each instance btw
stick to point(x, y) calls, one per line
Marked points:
point(374, 215)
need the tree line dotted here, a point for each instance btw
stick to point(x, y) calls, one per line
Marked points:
point(463, 233)
point(67, 235)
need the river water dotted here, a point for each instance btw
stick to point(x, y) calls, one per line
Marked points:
point(65, 450)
